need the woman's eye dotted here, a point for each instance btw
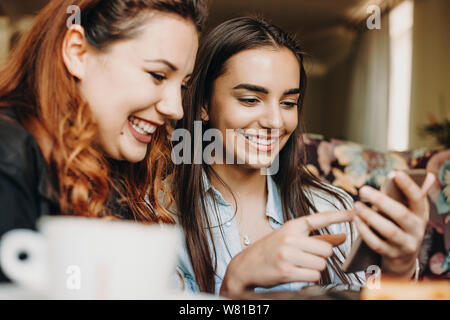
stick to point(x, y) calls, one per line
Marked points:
point(158, 76)
point(289, 104)
point(249, 101)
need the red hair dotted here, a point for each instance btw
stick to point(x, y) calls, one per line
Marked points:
point(37, 83)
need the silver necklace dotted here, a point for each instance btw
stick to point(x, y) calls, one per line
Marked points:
point(245, 238)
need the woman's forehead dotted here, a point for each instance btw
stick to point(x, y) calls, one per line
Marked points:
point(266, 67)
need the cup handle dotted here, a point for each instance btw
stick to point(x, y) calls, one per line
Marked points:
point(23, 258)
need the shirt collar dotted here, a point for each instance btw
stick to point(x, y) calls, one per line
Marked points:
point(274, 209)
point(209, 187)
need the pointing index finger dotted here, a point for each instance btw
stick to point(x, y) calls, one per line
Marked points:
point(324, 219)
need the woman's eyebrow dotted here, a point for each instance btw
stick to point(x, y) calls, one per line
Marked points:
point(291, 91)
point(169, 64)
point(251, 87)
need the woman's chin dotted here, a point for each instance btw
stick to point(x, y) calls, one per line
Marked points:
point(134, 154)
point(260, 163)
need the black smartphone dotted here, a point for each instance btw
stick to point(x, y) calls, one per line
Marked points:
point(361, 256)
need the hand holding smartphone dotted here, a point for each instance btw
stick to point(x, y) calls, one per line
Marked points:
point(361, 256)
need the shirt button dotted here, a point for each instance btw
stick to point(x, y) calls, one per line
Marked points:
point(228, 223)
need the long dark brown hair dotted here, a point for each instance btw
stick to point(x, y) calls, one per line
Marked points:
point(293, 179)
point(37, 85)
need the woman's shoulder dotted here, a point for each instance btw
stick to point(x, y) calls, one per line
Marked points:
point(17, 145)
point(328, 198)
point(21, 160)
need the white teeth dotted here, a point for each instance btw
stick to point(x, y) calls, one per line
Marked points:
point(264, 142)
point(142, 126)
point(138, 129)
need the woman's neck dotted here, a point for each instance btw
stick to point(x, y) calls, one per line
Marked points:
point(244, 183)
point(249, 189)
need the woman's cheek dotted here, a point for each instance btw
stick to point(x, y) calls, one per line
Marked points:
point(291, 120)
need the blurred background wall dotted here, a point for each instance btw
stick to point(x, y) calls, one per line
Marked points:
point(376, 86)
point(430, 86)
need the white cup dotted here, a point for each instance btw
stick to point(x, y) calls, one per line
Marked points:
point(82, 258)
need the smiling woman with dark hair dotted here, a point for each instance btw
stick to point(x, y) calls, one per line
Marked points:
point(83, 108)
point(247, 230)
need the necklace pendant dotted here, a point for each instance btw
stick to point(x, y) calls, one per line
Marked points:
point(246, 241)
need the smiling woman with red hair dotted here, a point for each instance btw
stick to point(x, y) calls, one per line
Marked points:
point(83, 108)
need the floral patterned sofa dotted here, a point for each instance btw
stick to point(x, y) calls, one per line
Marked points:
point(350, 165)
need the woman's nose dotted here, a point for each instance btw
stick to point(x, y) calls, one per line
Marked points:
point(171, 105)
point(272, 117)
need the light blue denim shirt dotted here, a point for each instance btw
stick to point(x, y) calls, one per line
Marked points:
point(228, 244)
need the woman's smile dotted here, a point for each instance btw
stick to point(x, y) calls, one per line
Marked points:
point(141, 129)
point(261, 142)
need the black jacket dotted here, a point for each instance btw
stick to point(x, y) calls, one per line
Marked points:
point(25, 190)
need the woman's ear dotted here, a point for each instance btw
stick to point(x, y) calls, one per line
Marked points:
point(74, 51)
point(204, 115)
